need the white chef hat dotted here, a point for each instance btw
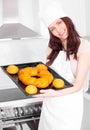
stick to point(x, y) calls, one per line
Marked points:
point(52, 12)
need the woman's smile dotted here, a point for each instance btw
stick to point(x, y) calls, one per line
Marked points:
point(59, 29)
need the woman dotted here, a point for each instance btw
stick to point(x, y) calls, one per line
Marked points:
point(69, 55)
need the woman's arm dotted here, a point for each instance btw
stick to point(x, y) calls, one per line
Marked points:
point(83, 67)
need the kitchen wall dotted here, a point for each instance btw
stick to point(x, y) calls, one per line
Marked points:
point(87, 7)
point(28, 13)
point(1, 21)
point(22, 51)
point(10, 11)
point(22, 11)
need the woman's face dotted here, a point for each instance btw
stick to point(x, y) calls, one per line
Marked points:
point(59, 29)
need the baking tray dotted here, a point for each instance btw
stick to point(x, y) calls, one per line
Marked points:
point(21, 86)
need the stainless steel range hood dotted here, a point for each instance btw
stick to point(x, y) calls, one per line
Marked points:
point(19, 19)
point(16, 31)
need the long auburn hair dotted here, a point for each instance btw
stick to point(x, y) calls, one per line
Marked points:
point(73, 42)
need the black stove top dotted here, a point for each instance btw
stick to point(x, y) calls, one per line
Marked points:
point(12, 94)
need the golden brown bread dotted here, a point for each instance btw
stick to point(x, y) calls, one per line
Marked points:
point(38, 76)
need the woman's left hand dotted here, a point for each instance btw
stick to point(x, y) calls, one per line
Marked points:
point(47, 93)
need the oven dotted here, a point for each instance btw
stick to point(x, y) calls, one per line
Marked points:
point(23, 117)
point(18, 110)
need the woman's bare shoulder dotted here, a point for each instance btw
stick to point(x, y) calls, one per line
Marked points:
point(84, 46)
